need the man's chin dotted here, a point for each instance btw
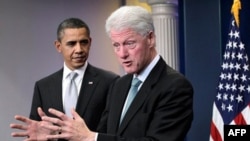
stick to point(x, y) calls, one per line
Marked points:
point(79, 65)
point(129, 70)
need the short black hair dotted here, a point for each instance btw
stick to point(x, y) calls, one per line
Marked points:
point(71, 23)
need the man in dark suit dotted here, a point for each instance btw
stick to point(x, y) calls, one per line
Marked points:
point(73, 42)
point(162, 109)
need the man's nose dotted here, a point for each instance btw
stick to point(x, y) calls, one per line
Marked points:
point(123, 52)
point(78, 47)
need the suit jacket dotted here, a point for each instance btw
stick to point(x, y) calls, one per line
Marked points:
point(161, 111)
point(91, 100)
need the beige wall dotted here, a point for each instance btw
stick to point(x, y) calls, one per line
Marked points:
point(138, 2)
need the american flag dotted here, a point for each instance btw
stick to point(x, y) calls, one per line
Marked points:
point(232, 100)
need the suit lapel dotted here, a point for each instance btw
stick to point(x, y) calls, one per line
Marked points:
point(143, 93)
point(118, 100)
point(56, 90)
point(89, 83)
point(135, 106)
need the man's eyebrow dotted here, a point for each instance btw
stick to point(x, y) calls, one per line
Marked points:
point(84, 40)
point(71, 42)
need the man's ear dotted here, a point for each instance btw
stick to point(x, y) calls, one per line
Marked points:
point(90, 41)
point(57, 45)
point(151, 39)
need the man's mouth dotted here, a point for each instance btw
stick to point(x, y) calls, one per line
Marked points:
point(127, 63)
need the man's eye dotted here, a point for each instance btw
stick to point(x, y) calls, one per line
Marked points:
point(130, 44)
point(84, 42)
point(71, 44)
point(116, 45)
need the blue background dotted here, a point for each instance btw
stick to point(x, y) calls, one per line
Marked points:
point(203, 34)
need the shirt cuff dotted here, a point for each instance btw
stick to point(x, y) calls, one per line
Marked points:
point(96, 135)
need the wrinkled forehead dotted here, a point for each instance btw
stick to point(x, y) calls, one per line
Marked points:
point(122, 35)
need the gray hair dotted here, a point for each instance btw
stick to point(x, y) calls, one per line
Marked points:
point(132, 17)
point(71, 23)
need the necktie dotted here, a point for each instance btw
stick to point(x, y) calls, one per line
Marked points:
point(131, 95)
point(71, 95)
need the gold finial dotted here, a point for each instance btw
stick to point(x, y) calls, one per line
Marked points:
point(235, 11)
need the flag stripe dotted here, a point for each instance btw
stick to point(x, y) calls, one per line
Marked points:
point(239, 119)
point(215, 133)
point(216, 125)
point(246, 114)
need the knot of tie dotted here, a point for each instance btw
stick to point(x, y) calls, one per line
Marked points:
point(73, 75)
point(136, 82)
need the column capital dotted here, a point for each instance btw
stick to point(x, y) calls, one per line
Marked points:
point(165, 18)
point(152, 2)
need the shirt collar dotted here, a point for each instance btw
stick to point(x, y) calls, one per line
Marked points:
point(144, 74)
point(79, 71)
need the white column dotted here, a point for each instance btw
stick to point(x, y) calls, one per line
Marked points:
point(165, 17)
